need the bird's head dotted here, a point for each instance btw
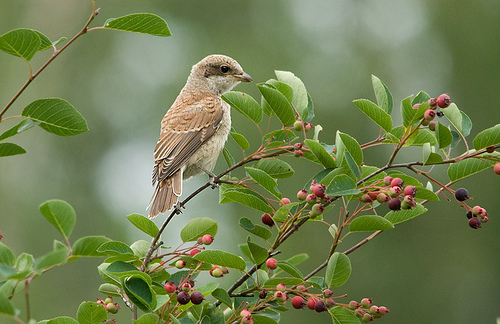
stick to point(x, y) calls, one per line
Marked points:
point(220, 73)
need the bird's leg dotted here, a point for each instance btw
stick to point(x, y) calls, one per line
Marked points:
point(178, 208)
point(211, 178)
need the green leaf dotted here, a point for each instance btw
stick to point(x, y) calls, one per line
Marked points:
point(259, 254)
point(144, 224)
point(467, 167)
point(240, 140)
point(458, 118)
point(57, 116)
point(423, 193)
point(320, 152)
point(290, 269)
point(420, 137)
point(300, 100)
point(265, 180)
point(6, 306)
point(258, 230)
point(51, 259)
point(228, 157)
point(375, 113)
point(278, 103)
point(342, 185)
point(87, 246)
point(282, 87)
point(145, 23)
point(368, 223)
point(443, 135)
point(421, 97)
point(91, 313)
point(140, 248)
point(110, 290)
point(298, 258)
point(61, 320)
point(10, 149)
point(115, 248)
point(383, 95)
point(275, 168)
point(198, 227)
point(45, 42)
point(338, 270)
point(20, 42)
point(261, 319)
point(139, 292)
point(7, 257)
point(396, 217)
point(488, 137)
point(222, 295)
point(245, 104)
point(60, 214)
point(221, 258)
point(25, 263)
point(283, 212)
point(248, 198)
point(410, 115)
point(340, 315)
point(147, 318)
point(346, 143)
point(287, 281)
point(430, 157)
point(408, 180)
point(352, 165)
point(16, 129)
point(284, 136)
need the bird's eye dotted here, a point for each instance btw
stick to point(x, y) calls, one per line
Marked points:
point(224, 69)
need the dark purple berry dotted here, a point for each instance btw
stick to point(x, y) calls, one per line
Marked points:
point(320, 306)
point(394, 204)
point(263, 294)
point(469, 214)
point(443, 100)
point(183, 298)
point(475, 222)
point(267, 220)
point(197, 297)
point(461, 194)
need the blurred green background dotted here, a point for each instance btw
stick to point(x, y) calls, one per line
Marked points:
point(434, 269)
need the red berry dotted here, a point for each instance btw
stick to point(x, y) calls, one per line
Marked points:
point(461, 194)
point(397, 182)
point(197, 297)
point(194, 252)
point(284, 201)
point(394, 204)
point(496, 168)
point(271, 264)
point(207, 239)
point(245, 312)
point(170, 287)
point(297, 146)
point(383, 310)
point(433, 103)
point(395, 191)
point(298, 302)
point(267, 219)
point(410, 191)
point(186, 287)
point(443, 100)
point(281, 287)
point(319, 190)
point(311, 302)
point(429, 114)
point(387, 180)
point(302, 194)
point(280, 296)
point(183, 298)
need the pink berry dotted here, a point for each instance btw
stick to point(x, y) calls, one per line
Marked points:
point(170, 287)
point(429, 114)
point(245, 312)
point(383, 310)
point(284, 201)
point(311, 302)
point(366, 302)
point(397, 182)
point(302, 194)
point(271, 264)
point(432, 126)
point(216, 272)
point(298, 302)
point(112, 308)
point(316, 210)
point(319, 190)
point(298, 153)
point(395, 191)
point(496, 168)
point(207, 239)
point(280, 296)
point(443, 100)
point(433, 103)
point(194, 252)
point(410, 191)
point(179, 264)
point(382, 198)
point(307, 127)
point(297, 146)
point(281, 287)
point(387, 180)
point(416, 106)
point(311, 199)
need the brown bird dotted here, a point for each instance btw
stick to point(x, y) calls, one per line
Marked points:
point(194, 129)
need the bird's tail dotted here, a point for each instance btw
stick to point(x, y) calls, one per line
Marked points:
point(166, 194)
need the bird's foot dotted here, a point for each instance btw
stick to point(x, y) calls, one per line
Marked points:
point(211, 178)
point(178, 208)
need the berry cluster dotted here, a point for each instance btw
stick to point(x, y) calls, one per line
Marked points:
point(442, 102)
point(366, 311)
point(394, 193)
point(477, 214)
point(315, 197)
point(183, 292)
point(109, 305)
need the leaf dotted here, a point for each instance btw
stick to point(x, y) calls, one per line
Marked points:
point(443, 135)
point(222, 295)
point(51, 259)
point(258, 230)
point(421, 97)
point(7, 257)
point(467, 167)
point(147, 318)
point(87, 246)
point(396, 217)
point(300, 100)
point(144, 224)
point(265, 180)
point(383, 95)
point(420, 137)
point(221, 258)
point(248, 198)
point(282, 87)
point(353, 166)
point(321, 154)
point(261, 319)
point(45, 42)
point(458, 118)
point(280, 135)
point(245, 104)
point(25, 263)
point(488, 137)
point(346, 143)
point(424, 193)
point(273, 282)
point(61, 320)
point(91, 313)
point(140, 248)
point(60, 214)
point(342, 185)
point(408, 180)
point(20, 42)
point(375, 113)
point(14, 130)
point(6, 306)
point(139, 292)
point(275, 168)
point(290, 269)
point(340, 315)
point(283, 212)
point(198, 227)
point(338, 270)
point(110, 290)
point(10, 149)
point(259, 254)
point(278, 103)
point(429, 156)
point(228, 157)
point(57, 116)
point(368, 223)
point(410, 115)
point(298, 258)
point(145, 23)
point(240, 140)
point(115, 248)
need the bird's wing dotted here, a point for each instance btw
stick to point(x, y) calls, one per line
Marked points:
point(187, 125)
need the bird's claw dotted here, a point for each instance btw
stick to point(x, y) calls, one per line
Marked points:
point(212, 182)
point(178, 209)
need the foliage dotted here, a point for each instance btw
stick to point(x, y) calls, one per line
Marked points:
point(138, 272)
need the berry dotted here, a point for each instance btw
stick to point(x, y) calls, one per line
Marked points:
point(433, 103)
point(311, 198)
point(183, 298)
point(280, 297)
point(415, 106)
point(410, 191)
point(320, 306)
point(108, 300)
point(443, 100)
point(374, 310)
point(263, 294)
point(271, 264)
point(432, 126)
point(225, 270)
point(490, 149)
point(326, 198)
point(186, 287)
point(429, 114)
point(353, 304)
point(311, 302)
point(475, 222)
point(478, 211)
point(216, 272)
point(395, 191)
point(207, 239)
point(267, 219)
point(297, 146)
point(425, 122)
point(367, 318)
point(410, 201)
point(284, 201)
point(298, 125)
point(382, 198)
point(394, 204)
point(301, 288)
point(313, 183)
point(302, 194)
point(469, 214)
point(194, 252)
point(180, 264)
point(387, 180)
point(298, 153)
point(319, 190)
point(298, 302)
point(330, 302)
point(366, 302)
point(496, 168)
point(281, 287)
point(397, 182)
point(245, 312)
point(197, 297)
point(307, 127)
point(112, 308)
point(247, 320)
point(327, 293)
point(316, 210)
point(461, 194)
point(383, 310)
point(170, 287)
point(366, 198)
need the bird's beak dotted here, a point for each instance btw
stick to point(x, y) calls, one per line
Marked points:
point(244, 77)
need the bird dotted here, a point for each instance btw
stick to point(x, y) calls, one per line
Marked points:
point(194, 129)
